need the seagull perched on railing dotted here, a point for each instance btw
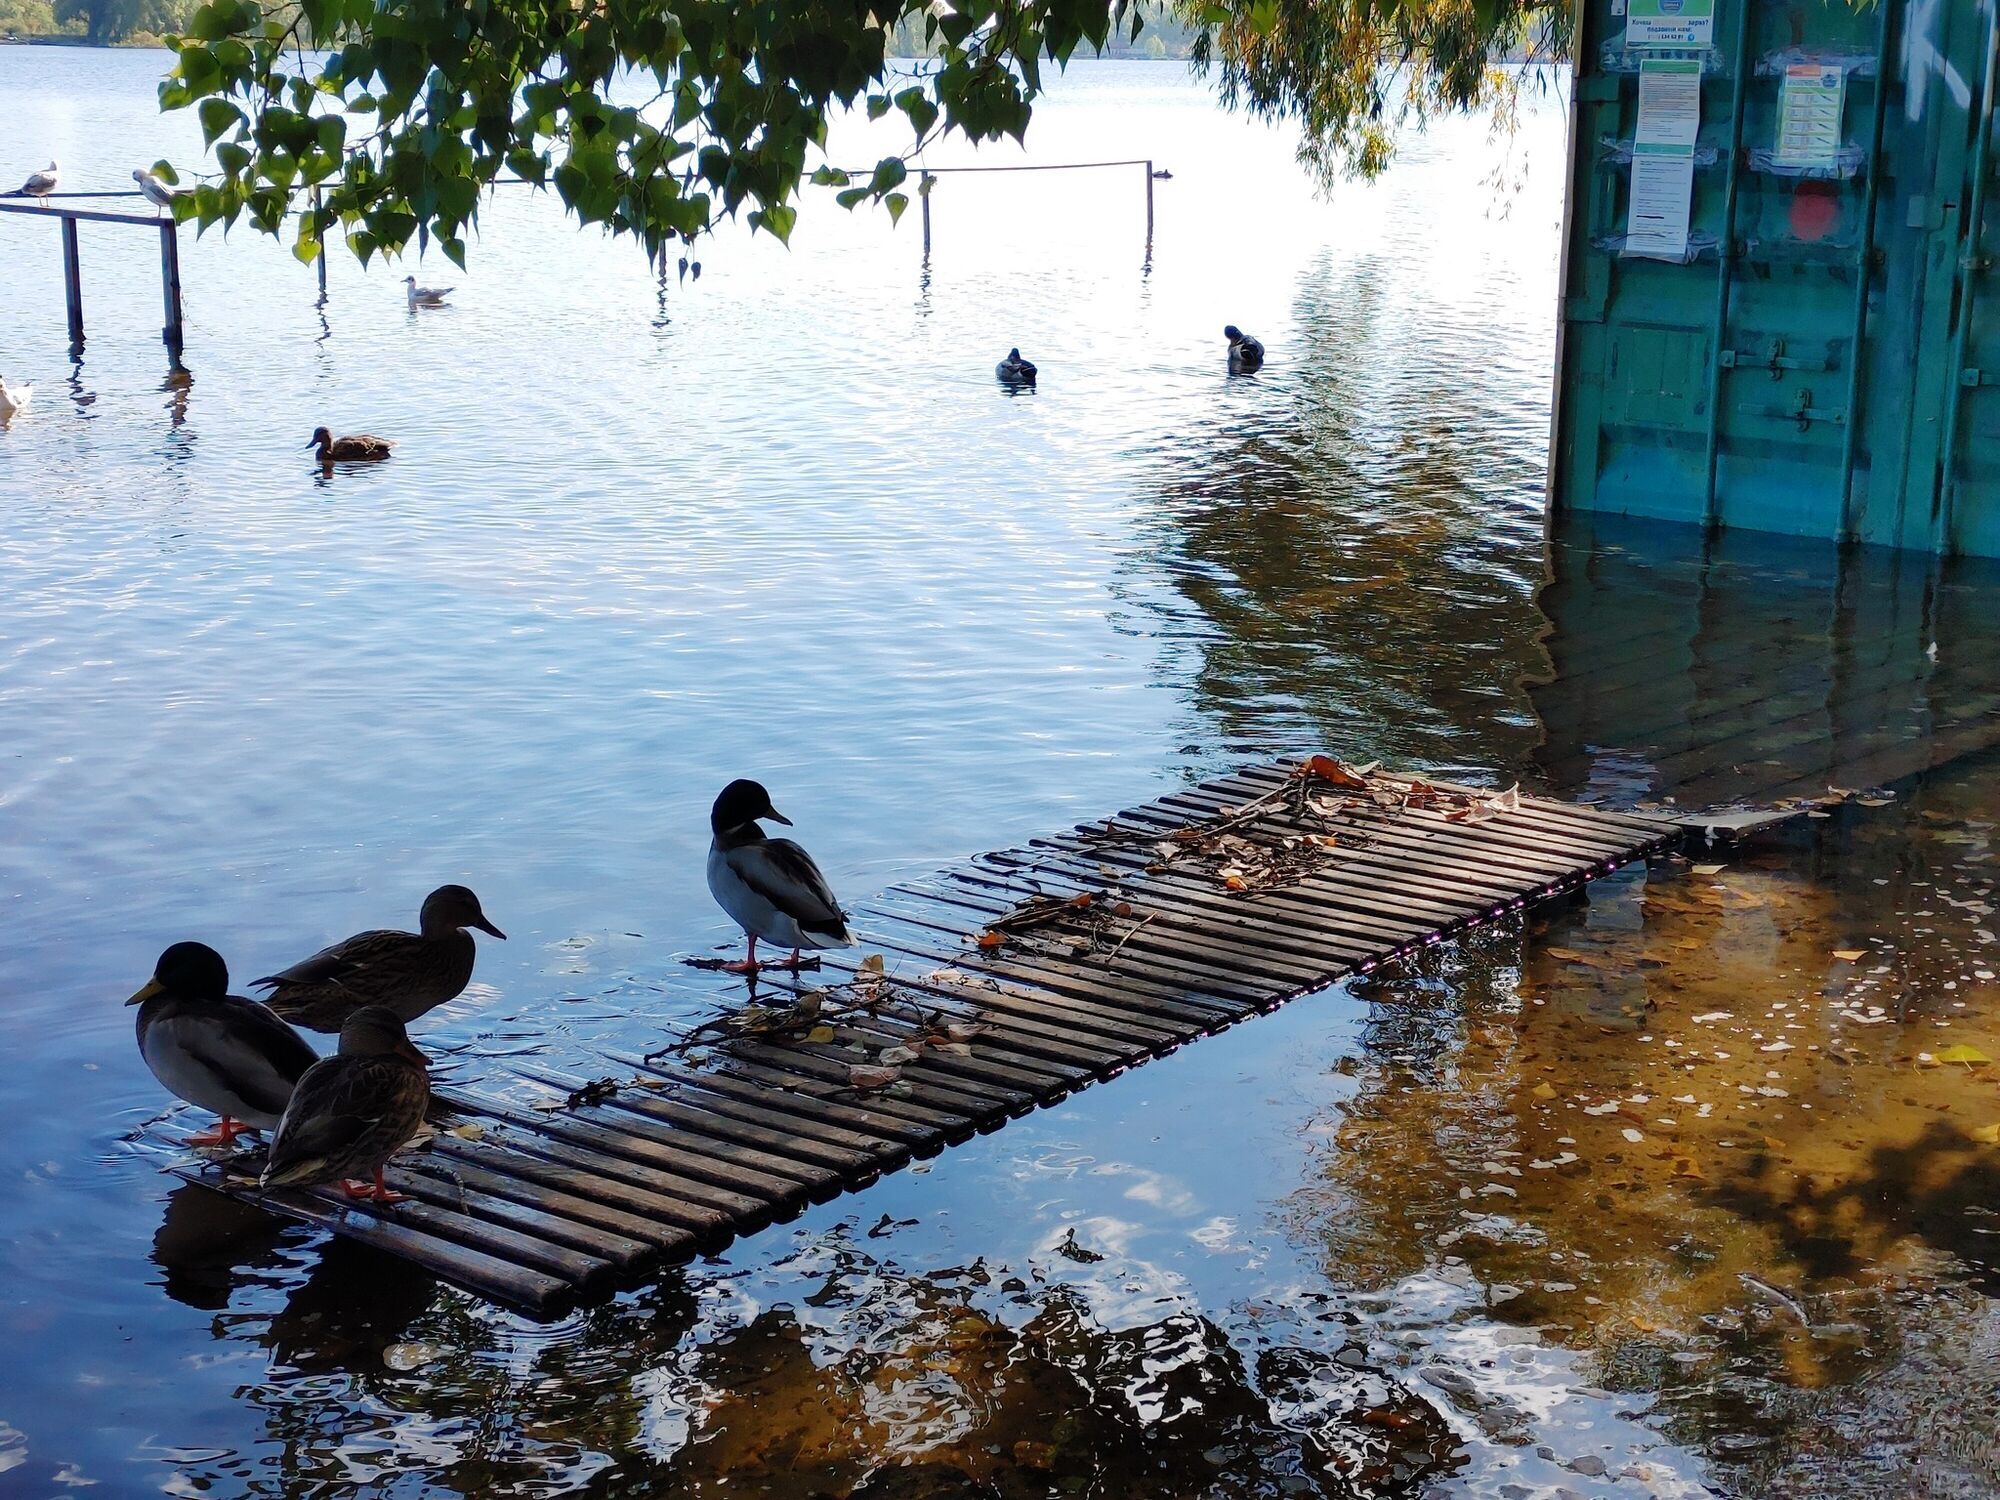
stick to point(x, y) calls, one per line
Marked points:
point(40, 185)
point(155, 189)
point(426, 296)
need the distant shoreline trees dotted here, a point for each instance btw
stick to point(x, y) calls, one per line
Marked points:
point(101, 23)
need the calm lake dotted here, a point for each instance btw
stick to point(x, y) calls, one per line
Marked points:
point(642, 537)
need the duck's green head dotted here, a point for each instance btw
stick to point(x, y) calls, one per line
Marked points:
point(187, 971)
point(743, 802)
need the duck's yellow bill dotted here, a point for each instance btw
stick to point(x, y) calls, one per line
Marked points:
point(147, 991)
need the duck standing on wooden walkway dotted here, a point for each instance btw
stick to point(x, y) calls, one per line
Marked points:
point(1246, 354)
point(770, 886)
point(353, 1111)
point(13, 398)
point(216, 1050)
point(407, 972)
point(39, 184)
point(357, 447)
point(1014, 370)
point(425, 296)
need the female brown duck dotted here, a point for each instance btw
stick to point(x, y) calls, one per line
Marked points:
point(353, 1111)
point(409, 972)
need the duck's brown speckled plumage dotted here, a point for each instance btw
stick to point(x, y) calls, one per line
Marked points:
point(407, 972)
point(351, 1112)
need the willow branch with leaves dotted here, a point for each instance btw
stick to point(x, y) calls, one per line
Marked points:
point(387, 121)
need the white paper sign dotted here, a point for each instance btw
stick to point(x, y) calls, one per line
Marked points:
point(1656, 224)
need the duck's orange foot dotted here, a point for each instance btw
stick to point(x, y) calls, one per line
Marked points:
point(371, 1192)
point(225, 1133)
point(742, 966)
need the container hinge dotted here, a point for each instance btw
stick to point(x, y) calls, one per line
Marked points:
point(1971, 377)
point(1805, 413)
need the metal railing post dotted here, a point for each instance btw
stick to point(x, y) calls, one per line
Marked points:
point(72, 283)
point(170, 287)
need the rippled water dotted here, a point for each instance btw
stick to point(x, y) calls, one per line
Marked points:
point(641, 538)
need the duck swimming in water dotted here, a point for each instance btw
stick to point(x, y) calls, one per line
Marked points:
point(770, 886)
point(1246, 354)
point(216, 1050)
point(353, 1111)
point(1014, 370)
point(357, 446)
point(409, 972)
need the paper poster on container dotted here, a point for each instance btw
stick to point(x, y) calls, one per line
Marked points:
point(1809, 106)
point(1670, 23)
point(1656, 224)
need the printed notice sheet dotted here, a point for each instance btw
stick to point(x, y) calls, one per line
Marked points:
point(1663, 159)
point(1809, 107)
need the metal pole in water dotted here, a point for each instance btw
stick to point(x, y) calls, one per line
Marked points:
point(170, 287)
point(322, 251)
point(924, 192)
point(1149, 208)
point(72, 283)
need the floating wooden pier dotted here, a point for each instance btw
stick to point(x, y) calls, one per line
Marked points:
point(986, 991)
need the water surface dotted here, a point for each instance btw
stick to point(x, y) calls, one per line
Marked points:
point(644, 536)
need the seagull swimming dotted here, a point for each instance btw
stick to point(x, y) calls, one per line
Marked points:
point(13, 398)
point(155, 189)
point(770, 886)
point(426, 296)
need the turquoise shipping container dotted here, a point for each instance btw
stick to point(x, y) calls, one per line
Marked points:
point(1779, 308)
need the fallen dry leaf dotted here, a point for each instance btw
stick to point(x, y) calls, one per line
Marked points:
point(991, 939)
point(820, 1034)
point(893, 1056)
point(1972, 1057)
point(1988, 1135)
point(1850, 955)
point(864, 1077)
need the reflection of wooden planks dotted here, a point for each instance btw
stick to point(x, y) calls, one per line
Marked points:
point(538, 1207)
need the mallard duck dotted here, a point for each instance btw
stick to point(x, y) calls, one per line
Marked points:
point(426, 296)
point(770, 886)
point(40, 184)
point(14, 397)
point(155, 189)
point(407, 972)
point(353, 1111)
point(1014, 370)
point(216, 1050)
point(1246, 355)
point(356, 446)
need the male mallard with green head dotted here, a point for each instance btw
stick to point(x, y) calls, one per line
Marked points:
point(770, 886)
point(409, 972)
point(353, 1111)
point(216, 1050)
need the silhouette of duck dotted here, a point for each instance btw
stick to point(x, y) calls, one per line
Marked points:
point(1014, 370)
point(1246, 354)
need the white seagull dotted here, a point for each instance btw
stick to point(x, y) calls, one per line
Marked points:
point(13, 398)
point(426, 296)
point(770, 886)
point(40, 185)
point(155, 189)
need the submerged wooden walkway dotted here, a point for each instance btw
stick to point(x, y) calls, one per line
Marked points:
point(988, 990)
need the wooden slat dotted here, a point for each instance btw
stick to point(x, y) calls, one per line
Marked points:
point(680, 1154)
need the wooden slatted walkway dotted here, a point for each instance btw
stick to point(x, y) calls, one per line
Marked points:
point(989, 989)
